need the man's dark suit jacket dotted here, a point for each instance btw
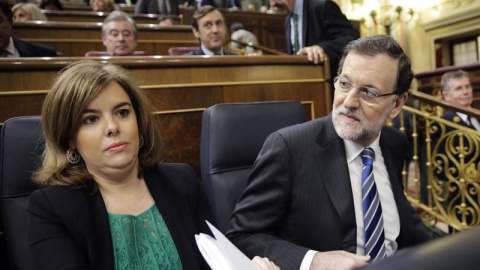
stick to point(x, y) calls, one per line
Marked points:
point(299, 196)
point(69, 229)
point(151, 7)
point(200, 52)
point(325, 25)
point(29, 49)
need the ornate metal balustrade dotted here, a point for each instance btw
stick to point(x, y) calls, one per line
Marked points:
point(443, 178)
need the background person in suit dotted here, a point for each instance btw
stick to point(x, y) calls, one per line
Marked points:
point(322, 30)
point(12, 47)
point(210, 29)
point(157, 7)
point(457, 90)
point(107, 202)
point(302, 206)
point(451, 161)
point(119, 34)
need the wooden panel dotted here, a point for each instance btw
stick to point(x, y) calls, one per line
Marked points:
point(180, 89)
point(75, 39)
point(90, 16)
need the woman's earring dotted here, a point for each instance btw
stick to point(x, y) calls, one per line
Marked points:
point(73, 156)
point(141, 141)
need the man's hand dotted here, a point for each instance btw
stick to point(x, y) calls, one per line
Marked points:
point(264, 263)
point(315, 53)
point(338, 260)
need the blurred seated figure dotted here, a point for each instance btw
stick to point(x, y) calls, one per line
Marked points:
point(164, 21)
point(103, 5)
point(108, 202)
point(23, 12)
point(239, 33)
point(457, 90)
point(51, 5)
point(119, 34)
point(456, 155)
point(11, 47)
point(157, 7)
point(209, 28)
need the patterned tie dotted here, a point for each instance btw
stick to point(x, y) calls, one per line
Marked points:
point(296, 43)
point(372, 210)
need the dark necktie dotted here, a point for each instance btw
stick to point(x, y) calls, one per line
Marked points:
point(372, 210)
point(296, 43)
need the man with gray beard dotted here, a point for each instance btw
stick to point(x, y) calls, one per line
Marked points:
point(327, 194)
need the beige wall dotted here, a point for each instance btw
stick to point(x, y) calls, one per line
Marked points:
point(416, 34)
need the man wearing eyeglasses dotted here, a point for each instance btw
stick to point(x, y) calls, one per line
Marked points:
point(327, 194)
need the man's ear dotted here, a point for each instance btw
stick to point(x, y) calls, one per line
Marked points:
point(445, 96)
point(397, 107)
point(104, 40)
point(196, 33)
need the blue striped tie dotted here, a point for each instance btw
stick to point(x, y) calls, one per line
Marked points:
point(372, 210)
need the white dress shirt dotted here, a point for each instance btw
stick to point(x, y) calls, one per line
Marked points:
point(298, 9)
point(12, 51)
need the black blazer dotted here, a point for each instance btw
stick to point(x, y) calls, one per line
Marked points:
point(69, 229)
point(325, 25)
point(200, 52)
point(299, 196)
point(151, 7)
point(29, 49)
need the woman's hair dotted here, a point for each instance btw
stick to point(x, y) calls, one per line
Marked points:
point(33, 11)
point(73, 89)
point(109, 5)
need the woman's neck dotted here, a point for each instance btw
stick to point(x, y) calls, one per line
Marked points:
point(130, 196)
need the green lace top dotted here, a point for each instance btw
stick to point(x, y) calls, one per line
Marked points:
point(143, 242)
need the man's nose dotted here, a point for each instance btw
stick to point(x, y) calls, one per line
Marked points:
point(352, 100)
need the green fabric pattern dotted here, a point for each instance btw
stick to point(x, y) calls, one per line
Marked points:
point(143, 242)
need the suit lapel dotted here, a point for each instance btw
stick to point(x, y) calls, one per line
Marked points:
point(306, 6)
point(164, 197)
point(103, 258)
point(333, 168)
point(393, 162)
point(288, 33)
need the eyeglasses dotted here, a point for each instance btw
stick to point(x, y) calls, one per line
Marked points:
point(365, 93)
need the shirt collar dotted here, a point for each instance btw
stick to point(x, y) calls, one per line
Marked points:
point(208, 52)
point(11, 49)
point(298, 8)
point(464, 117)
point(353, 149)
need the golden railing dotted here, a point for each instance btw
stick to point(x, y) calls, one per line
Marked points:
point(442, 179)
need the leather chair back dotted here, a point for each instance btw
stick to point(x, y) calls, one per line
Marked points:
point(232, 137)
point(21, 149)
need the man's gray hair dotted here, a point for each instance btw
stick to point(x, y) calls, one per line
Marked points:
point(119, 15)
point(447, 76)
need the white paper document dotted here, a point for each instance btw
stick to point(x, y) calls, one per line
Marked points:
point(220, 253)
